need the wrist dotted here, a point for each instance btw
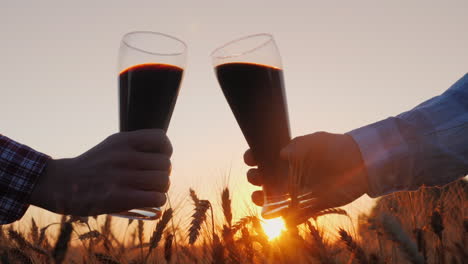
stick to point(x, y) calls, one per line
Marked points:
point(46, 192)
point(359, 166)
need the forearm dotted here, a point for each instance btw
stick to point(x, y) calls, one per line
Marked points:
point(425, 146)
point(20, 167)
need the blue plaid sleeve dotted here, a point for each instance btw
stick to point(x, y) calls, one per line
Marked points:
point(20, 166)
point(427, 145)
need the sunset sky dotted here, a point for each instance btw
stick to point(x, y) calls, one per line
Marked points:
point(346, 64)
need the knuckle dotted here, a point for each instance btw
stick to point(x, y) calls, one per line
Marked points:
point(170, 150)
point(298, 139)
point(161, 200)
point(117, 139)
point(247, 155)
point(159, 182)
point(163, 162)
point(320, 135)
point(167, 164)
point(251, 173)
point(114, 137)
point(158, 133)
point(166, 184)
point(166, 143)
point(162, 179)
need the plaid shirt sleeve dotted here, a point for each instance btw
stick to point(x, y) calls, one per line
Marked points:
point(20, 166)
point(427, 145)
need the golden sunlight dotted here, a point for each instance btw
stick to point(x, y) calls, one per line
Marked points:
point(273, 227)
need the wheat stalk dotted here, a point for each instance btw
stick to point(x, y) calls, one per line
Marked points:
point(106, 228)
point(243, 222)
point(141, 235)
point(322, 253)
point(228, 239)
point(19, 256)
point(328, 211)
point(227, 233)
point(247, 241)
point(78, 219)
point(141, 231)
point(461, 250)
point(437, 226)
point(105, 259)
point(198, 217)
point(24, 244)
point(106, 231)
point(61, 246)
point(160, 227)
point(393, 229)
point(158, 231)
point(168, 247)
point(420, 241)
point(34, 231)
point(353, 247)
point(437, 223)
point(194, 196)
point(187, 252)
point(226, 205)
point(18, 238)
point(217, 251)
point(374, 259)
point(89, 235)
point(133, 237)
point(42, 233)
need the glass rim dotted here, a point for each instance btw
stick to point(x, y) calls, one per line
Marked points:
point(262, 44)
point(124, 41)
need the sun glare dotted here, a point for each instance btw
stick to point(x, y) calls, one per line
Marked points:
point(273, 227)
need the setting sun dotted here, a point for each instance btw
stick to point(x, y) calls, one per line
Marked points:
point(273, 227)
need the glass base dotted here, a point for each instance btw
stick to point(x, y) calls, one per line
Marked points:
point(282, 205)
point(147, 213)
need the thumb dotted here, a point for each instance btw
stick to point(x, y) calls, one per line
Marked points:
point(290, 150)
point(285, 153)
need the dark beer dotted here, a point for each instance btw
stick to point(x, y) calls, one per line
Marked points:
point(256, 96)
point(147, 95)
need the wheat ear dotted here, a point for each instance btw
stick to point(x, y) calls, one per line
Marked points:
point(61, 246)
point(393, 229)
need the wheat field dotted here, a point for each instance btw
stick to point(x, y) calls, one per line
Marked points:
point(426, 226)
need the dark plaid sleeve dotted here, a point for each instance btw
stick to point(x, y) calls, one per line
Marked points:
point(20, 166)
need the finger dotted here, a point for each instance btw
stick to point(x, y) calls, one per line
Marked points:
point(150, 140)
point(299, 216)
point(147, 199)
point(319, 203)
point(291, 149)
point(146, 161)
point(300, 146)
point(255, 177)
point(257, 198)
point(249, 158)
point(157, 181)
point(123, 199)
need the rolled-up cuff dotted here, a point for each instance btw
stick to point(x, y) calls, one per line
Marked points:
point(20, 167)
point(382, 148)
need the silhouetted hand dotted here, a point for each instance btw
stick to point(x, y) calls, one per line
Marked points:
point(329, 165)
point(127, 170)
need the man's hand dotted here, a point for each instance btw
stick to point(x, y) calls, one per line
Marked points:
point(127, 170)
point(329, 165)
